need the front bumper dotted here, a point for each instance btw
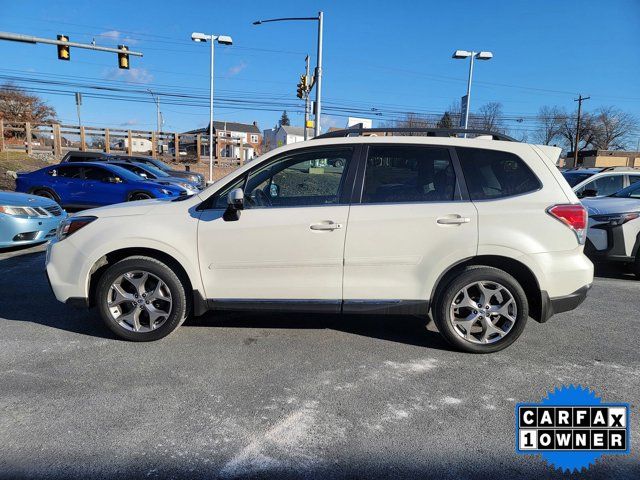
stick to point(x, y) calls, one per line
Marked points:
point(565, 303)
point(18, 231)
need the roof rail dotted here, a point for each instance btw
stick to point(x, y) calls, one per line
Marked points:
point(430, 132)
point(619, 168)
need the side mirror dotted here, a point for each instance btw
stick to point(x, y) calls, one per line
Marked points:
point(274, 190)
point(112, 180)
point(235, 204)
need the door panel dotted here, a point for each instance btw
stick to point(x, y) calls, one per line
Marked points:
point(272, 253)
point(411, 225)
point(397, 251)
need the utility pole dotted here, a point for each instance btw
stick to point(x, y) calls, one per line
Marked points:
point(306, 100)
point(78, 104)
point(580, 99)
point(318, 75)
point(156, 99)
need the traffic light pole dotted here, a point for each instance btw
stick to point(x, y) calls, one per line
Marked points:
point(306, 101)
point(15, 37)
point(318, 71)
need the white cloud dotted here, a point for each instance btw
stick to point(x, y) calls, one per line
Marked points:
point(129, 123)
point(133, 75)
point(236, 69)
point(118, 36)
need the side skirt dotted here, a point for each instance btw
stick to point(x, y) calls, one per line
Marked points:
point(370, 307)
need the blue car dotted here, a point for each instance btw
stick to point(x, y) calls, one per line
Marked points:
point(92, 184)
point(27, 219)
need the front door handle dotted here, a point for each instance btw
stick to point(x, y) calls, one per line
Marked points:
point(329, 225)
point(453, 220)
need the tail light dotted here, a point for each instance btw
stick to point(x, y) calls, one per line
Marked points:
point(573, 216)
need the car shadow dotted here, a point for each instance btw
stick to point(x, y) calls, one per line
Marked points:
point(29, 299)
point(613, 270)
point(410, 330)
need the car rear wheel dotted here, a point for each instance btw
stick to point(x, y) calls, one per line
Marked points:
point(141, 299)
point(46, 194)
point(636, 266)
point(482, 310)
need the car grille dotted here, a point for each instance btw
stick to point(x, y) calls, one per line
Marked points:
point(54, 210)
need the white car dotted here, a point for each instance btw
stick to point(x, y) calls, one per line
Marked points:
point(600, 182)
point(614, 227)
point(479, 232)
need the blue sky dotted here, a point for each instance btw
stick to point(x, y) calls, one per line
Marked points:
point(389, 56)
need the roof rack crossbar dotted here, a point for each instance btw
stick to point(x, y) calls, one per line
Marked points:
point(431, 132)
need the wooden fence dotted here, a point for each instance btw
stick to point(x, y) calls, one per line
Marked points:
point(58, 139)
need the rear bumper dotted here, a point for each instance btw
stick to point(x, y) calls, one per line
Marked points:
point(565, 303)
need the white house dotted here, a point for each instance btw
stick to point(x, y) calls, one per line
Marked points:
point(284, 135)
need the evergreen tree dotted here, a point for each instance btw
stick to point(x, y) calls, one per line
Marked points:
point(446, 121)
point(284, 119)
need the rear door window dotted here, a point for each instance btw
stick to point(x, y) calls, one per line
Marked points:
point(404, 174)
point(66, 172)
point(492, 174)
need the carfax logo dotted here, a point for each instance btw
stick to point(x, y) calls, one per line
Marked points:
point(571, 428)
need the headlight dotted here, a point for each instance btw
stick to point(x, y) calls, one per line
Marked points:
point(164, 191)
point(23, 211)
point(72, 225)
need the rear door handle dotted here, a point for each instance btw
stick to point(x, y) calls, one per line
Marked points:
point(325, 226)
point(453, 220)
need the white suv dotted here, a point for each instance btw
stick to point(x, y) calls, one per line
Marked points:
point(480, 232)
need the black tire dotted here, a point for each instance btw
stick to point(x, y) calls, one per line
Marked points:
point(636, 266)
point(180, 305)
point(446, 297)
point(47, 194)
point(139, 196)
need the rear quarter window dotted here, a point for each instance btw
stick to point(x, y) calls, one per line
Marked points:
point(492, 174)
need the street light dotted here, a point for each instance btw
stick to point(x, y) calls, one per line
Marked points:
point(460, 55)
point(223, 40)
point(318, 75)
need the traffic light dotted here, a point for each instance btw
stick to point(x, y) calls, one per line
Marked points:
point(302, 86)
point(63, 50)
point(123, 58)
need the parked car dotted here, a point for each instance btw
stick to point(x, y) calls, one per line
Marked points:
point(600, 182)
point(156, 175)
point(614, 227)
point(193, 177)
point(27, 219)
point(90, 184)
point(481, 233)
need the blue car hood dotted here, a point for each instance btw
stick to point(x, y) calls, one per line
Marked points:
point(23, 200)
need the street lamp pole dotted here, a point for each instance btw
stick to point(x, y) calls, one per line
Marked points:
point(318, 70)
point(462, 54)
point(224, 40)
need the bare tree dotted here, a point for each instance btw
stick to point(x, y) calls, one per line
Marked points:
point(568, 131)
point(412, 120)
point(16, 105)
point(489, 117)
point(611, 128)
point(550, 120)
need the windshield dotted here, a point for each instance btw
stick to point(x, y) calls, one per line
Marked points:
point(574, 178)
point(632, 191)
point(124, 173)
point(156, 171)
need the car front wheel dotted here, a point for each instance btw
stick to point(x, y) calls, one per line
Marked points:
point(141, 299)
point(482, 310)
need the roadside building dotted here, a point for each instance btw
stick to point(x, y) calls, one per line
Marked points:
point(284, 135)
point(603, 158)
point(234, 140)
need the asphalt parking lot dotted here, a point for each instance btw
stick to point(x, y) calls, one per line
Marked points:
point(240, 395)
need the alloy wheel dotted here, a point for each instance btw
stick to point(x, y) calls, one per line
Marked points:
point(139, 301)
point(483, 312)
